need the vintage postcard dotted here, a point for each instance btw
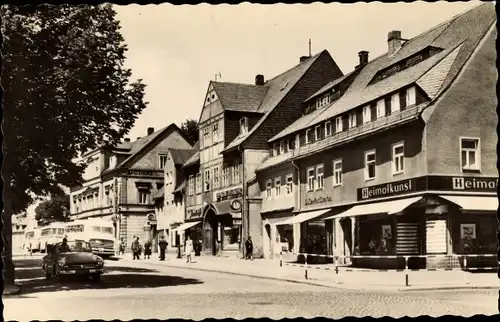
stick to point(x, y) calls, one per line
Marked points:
point(249, 161)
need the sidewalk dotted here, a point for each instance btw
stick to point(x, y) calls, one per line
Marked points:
point(319, 275)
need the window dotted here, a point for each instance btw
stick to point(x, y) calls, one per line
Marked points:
point(216, 178)
point(282, 147)
point(236, 173)
point(191, 185)
point(206, 176)
point(225, 176)
point(289, 184)
point(410, 96)
point(380, 108)
point(338, 124)
point(470, 153)
point(319, 177)
point(311, 178)
point(143, 197)
point(370, 165)
point(317, 132)
point(398, 158)
point(162, 160)
point(297, 141)
point(328, 128)
point(367, 114)
point(243, 125)
point(395, 103)
point(198, 183)
point(308, 136)
point(277, 187)
point(206, 137)
point(269, 187)
point(352, 119)
point(215, 132)
point(291, 144)
point(112, 162)
point(275, 149)
point(337, 173)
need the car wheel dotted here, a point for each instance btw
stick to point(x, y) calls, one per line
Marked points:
point(96, 277)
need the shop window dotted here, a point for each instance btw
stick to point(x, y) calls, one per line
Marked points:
point(370, 165)
point(311, 178)
point(376, 237)
point(352, 119)
point(337, 173)
point(289, 184)
point(411, 96)
point(470, 153)
point(277, 187)
point(319, 177)
point(367, 114)
point(380, 108)
point(398, 158)
point(269, 187)
point(338, 124)
point(328, 128)
point(395, 103)
point(315, 239)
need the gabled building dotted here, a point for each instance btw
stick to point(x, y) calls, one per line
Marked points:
point(120, 182)
point(398, 157)
point(235, 123)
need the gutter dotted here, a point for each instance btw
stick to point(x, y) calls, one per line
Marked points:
point(244, 211)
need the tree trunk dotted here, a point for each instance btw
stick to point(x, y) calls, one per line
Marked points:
point(8, 264)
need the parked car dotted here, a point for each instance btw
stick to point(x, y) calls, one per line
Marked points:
point(72, 258)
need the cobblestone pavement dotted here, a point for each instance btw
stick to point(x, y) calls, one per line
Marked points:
point(127, 292)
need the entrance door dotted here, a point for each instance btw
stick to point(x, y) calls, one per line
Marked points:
point(209, 232)
point(269, 241)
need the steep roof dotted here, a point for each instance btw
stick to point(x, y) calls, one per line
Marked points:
point(160, 194)
point(195, 158)
point(457, 37)
point(240, 97)
point(180, 187)
point(330, 85)
point(180, 156)
point(277, 88)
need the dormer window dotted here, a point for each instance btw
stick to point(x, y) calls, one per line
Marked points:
point(380, 108)
point(395, 103)
point(317, 132)
point(367, 114)
point(328, 128)
point(352, 119)
point(112, 162)
point(243, 125)
point(282, 147)
point(338, 124)
point(410, 96)
point(308, 136)
point(275, 149)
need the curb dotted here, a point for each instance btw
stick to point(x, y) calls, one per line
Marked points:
point(336, 286)
point(11, 290)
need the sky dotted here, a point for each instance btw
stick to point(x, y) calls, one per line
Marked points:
point(177, 50)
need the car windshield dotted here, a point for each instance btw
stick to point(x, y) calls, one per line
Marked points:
point(79, 246)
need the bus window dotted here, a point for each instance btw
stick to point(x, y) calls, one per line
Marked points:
point(75, 229)
point(60, 231)
point(107, 230)
point(45, 231)
point(30, 234)
point(95, 228)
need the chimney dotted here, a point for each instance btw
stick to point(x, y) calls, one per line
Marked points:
point(363, 57)
point(303, 59)
point(259, 80)
point(127, 139)
point(394, 41)
point(151, 130)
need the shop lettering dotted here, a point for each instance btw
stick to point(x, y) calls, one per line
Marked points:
point(387, 189)
point(140, 173)
point(229, 194)
point(193, 213)
point(316, 200)
point(461, 183)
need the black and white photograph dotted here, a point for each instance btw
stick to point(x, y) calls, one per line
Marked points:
point(276, 161)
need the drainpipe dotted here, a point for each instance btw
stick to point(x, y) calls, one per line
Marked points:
point(297, 245)
point(244, 212)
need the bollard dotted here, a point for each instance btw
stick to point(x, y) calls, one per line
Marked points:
point(335, 262)
point(407, 281)
point(465, 270)
point(305, 265)
point(281, 259)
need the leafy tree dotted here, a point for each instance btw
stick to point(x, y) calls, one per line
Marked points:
point(54, 209)
point(66, 91)
point(190, 129)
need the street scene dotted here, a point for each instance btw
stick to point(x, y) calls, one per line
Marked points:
point(250, 161)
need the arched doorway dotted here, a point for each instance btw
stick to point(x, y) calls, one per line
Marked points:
point(210, 231)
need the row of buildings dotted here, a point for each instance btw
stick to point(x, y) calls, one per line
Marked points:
point(396, 157)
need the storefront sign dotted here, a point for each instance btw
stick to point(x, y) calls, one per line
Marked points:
point(236, 205)
point(229, 194)
point(389, 189)
point(194, 212)
point(316, 200)
point(141, 173)
point(474, 184)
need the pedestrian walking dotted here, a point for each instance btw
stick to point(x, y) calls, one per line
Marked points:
point(147, 249)
point(136, 248)
point(188, 249)
point(121, 250)
point(163, 248)
point(249, 248)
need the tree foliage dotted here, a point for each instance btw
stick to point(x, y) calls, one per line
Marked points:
point(54, 209)
point(66, 92)
point(190, 129)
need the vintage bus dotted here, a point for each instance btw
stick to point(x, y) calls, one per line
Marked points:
point(32, 240)
point(99, 233)
point(51, 234)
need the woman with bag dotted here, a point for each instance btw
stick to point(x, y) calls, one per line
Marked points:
point(188, 249)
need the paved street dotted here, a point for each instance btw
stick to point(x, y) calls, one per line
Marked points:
point(142, 290)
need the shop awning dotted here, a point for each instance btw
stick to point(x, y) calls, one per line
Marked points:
point(279, 221)
point(306, 216)
point(385, 207)
point(187, 225)
point(474, 203)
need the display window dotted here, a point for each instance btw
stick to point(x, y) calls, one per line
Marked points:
point(376, 236)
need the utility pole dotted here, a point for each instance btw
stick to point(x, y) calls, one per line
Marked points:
point(309, 47)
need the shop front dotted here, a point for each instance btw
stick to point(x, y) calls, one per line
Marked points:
point(277, 234)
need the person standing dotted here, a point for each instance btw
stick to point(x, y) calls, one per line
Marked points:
point(188, 249)
point(163, 248)
point(147, 249)
point(249, 248)
point(136, 248)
